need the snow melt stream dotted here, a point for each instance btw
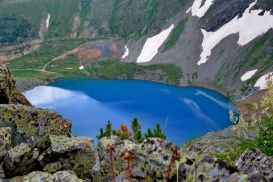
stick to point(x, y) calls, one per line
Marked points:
point(47, 21)
point(249, 26)
point(152, 44)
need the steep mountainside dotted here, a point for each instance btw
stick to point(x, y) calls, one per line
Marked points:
point(223, 45)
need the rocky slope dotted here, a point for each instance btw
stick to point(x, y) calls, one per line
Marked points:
point(37, 145)
point(208, 39)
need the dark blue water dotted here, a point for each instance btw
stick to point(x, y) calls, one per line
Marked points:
point(185, 113)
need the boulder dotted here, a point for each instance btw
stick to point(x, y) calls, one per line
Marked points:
point(69, 153)
point(254, 163)
point(28, 122)
point(150, 159)
point(61, 176)
point(5, 140)
point(19, 161)
point(8, 92)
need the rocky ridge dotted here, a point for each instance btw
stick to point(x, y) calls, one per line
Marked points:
point(37, 145)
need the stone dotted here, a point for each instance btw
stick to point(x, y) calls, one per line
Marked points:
point(28, 122)
point(63, 144)
point(76, 154)
point(61, 176)
point(53, 167)
point(38, 176)
point(66, 176)
point(8, 91)
point(19, 160)
point(5, 138)
point(254, 162)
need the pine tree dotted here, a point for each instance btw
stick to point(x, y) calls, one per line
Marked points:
point(136, 128)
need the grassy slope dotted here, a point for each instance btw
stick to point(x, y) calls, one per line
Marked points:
point(32, 65)
point(175, 35)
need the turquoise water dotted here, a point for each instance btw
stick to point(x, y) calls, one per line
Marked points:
point(183, 112)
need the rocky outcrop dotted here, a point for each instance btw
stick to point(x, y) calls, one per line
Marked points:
point(63, 176)
point(28, 123)
point(256, 164)
point(8, 92)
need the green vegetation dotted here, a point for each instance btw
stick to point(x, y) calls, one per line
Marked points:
point(14, 30)
point(175, 35)
point(41, 64)
point(61, 22)
point(136, 129)
point(125, 133)
point(157, 132)
point(133, 19)
point(48, 51)
point(31, 11)
point(264, 122)
point(85, 7)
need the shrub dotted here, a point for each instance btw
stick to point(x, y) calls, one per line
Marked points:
point(136, 128)
point(157, 132)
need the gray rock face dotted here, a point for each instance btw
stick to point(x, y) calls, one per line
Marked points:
point(150, 159)
point(62, 144)
point(8, 92)
point(27, 122)
point(254, 163)
point(19, 160)
point(5, 138)
point(61, 176)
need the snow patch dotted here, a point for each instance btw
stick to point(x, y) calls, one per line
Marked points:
point(152, 44)
point(199, 11)
point(249, 26)
point(261, 82)
point(47, 21)
point(81, 67)
point(248, 75)
point(126, 53)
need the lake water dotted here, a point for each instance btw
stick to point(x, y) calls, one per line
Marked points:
point(183, 112)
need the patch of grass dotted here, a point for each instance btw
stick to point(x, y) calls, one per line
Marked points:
point(34, 74)
point(175, 34)
point(47, 51)
point(132, 19)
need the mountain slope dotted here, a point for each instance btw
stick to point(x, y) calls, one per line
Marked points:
point(214, 42)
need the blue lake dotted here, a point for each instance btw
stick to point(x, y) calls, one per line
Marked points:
point(183, 112)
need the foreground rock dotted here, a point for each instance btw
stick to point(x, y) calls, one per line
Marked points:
point(28, 123)
point(256, 165)
point(38, 176)
point(8, 93)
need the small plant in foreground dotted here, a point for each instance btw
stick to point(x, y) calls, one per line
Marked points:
point(175, 157)
point(108, 131)
point(110, 150)
point(123, 132)
point(128, 156)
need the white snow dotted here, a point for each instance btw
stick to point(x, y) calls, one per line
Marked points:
point(261, 82)
point(81, 67)
point(152, 44)
point(126, 53)
point(188, 10)
point(47, 21)
point(248, 75)
point(249, 26)
point(199, 11)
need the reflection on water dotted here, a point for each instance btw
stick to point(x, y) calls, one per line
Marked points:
point(184, 113)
